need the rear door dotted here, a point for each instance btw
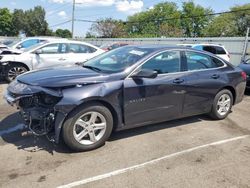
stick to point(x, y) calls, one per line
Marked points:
point(80, 52)
point(205, 78)
point(148, 100)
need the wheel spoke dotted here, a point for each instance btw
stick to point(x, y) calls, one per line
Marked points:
point(99, 126)
point(81, 123)
point(93, 117)
point(220, 103)
point(227, 102)
point(81, 135)
point(92, 136)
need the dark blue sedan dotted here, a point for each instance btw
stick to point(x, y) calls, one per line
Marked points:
point(246, 68)
point(125, 88)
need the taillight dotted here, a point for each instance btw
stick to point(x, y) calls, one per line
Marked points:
point(244, 75)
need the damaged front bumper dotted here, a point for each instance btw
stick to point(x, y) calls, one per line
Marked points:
point(37, 107)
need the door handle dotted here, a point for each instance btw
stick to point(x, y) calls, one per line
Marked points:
point(215, 76)
point(178, 81)
point(61, 59)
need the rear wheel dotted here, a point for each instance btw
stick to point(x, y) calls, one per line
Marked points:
point(222, 105)
point(14, 70)
point(88, 128)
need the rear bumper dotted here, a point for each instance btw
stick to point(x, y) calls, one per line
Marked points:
point(240, 92)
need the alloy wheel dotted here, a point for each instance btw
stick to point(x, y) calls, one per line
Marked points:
point(223, 104)
point(15, 71)
point(89, 128)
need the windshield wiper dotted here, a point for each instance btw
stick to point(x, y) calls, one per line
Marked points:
point(92, 68)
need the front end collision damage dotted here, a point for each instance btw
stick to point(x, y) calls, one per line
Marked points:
point(45, 109)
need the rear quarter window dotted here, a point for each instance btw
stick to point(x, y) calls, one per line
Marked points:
point(217, 62)
point(214, 49)
point(210, 49)
point(220, 50)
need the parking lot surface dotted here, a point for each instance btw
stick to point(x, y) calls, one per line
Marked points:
point(191, 152)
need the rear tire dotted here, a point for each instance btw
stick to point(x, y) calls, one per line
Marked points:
point(87, 127)
point(14, 70)
point(222, 105)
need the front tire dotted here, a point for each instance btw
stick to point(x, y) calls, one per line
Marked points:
point(87, 127)
point(13, 71)
point(222, 105)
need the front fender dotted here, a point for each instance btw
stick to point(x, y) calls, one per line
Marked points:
point(107, 93)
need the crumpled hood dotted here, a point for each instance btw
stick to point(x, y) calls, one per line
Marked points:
point(62, 77)
point(9, 51)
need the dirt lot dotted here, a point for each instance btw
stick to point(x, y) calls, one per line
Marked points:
point(192, 152)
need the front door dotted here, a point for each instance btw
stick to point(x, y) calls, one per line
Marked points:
point(149, 100)
point(50, 55)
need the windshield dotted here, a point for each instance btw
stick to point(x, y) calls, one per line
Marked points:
point(117, 60)
point(33, 46)
point(14, 42)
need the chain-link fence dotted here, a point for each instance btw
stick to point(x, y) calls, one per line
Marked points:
point(234, 45)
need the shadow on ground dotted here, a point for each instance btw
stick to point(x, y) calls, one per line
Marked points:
point(2, 81)
point(30, 143)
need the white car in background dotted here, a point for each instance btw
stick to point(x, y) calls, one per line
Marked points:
point(45, 55)
point(216, 49)
point(17, 46)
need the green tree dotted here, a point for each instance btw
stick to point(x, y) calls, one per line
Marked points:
point(19, 21)
point(6, 26)
point(193, 22)
point(221, 26)
point(170, 31)
point(149, 22)
point(241, 18)
point(64, 33)
point(89, 35)
point(108, 28)
point(31, 21)
point(230, 24)
point(37, 25)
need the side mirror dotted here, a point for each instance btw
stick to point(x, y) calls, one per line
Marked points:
point(144, 73)
point(19, 46)
point(38, 51)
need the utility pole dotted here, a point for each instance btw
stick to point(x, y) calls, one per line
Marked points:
point(73, 18)
point(243, 57)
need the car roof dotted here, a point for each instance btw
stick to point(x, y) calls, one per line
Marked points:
point(44, 38)
point(156, 47)
point(200, 44)
point(207, 44)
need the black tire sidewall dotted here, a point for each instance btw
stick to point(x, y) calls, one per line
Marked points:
point(67, 130)
point(214, 113)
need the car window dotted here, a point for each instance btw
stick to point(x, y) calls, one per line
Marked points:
point(198, 61)
point(118, 59)
point(220, 50)
point(56, 48)
point(80, 48)
point(198, 47)
point(166, 62)
point(29, 43)
point(210, 49)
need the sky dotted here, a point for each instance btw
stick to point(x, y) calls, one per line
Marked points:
point(59, 11)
